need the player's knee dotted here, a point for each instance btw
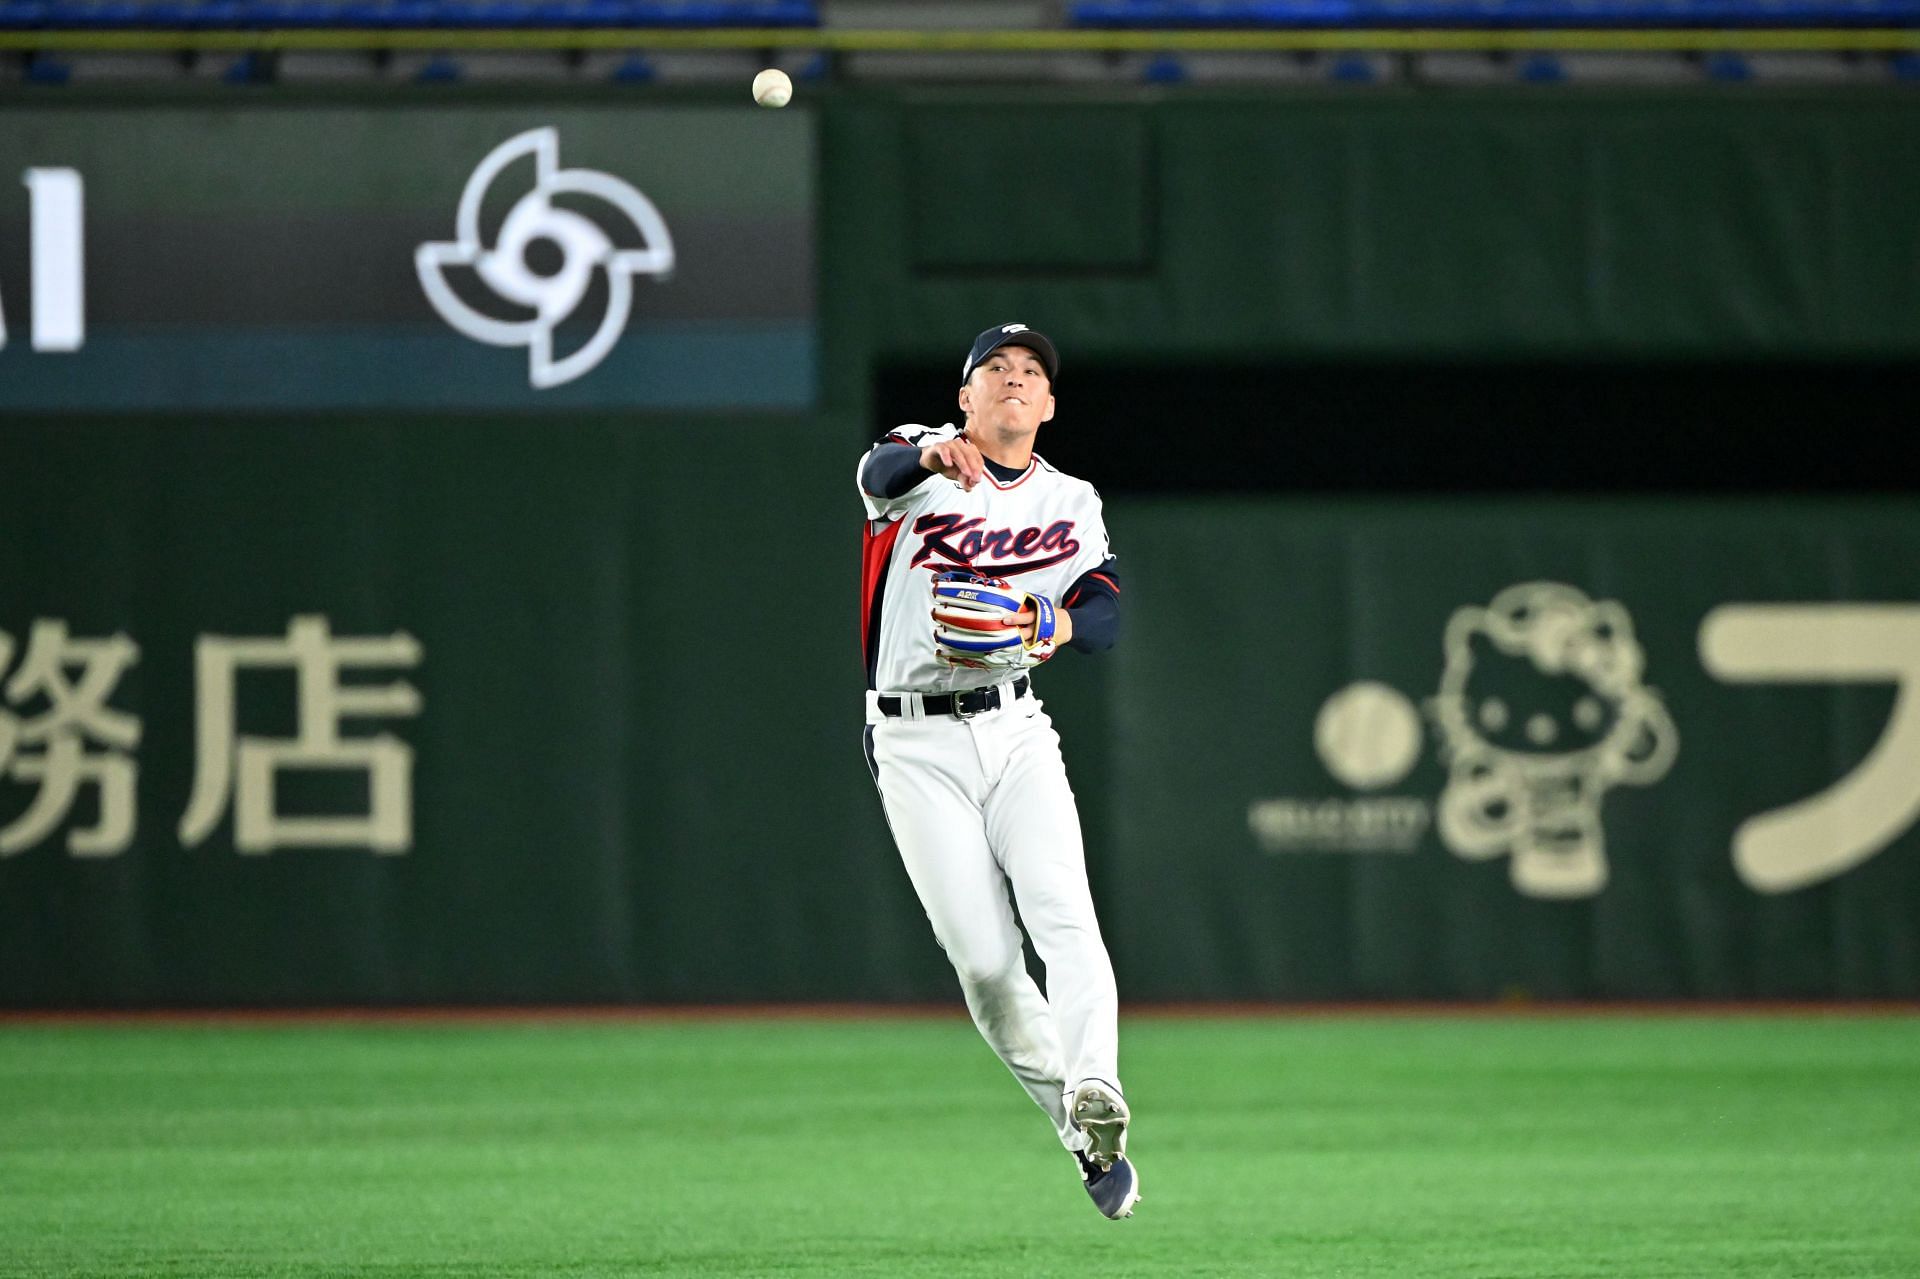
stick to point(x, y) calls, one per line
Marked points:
point(985, 965)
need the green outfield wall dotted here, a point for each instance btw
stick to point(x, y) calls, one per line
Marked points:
point(311, 700)
point(1567, 749)
point(1502, 224)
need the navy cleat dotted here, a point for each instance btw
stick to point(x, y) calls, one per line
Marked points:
point(1114, 1190)
point(1098, 1111)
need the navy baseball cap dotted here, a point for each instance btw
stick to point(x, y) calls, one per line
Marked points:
point(1012, 335)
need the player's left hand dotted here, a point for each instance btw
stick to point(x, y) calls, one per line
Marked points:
point(1062, 625)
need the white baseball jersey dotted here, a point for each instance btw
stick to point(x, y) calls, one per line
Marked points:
point(1040, 532)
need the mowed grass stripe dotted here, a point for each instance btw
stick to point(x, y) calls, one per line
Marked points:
point(1658, 1146)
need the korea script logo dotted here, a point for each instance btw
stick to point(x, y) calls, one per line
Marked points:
point(960, 542)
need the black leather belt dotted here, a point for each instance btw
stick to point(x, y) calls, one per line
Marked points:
point(965, 705)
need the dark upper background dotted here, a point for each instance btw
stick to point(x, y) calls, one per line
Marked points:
point(1709, 428)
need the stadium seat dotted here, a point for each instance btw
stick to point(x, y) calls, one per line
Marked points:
point(1494, 13)
point(390, 14)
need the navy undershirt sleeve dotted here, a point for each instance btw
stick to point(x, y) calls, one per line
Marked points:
point(1094, 601)
point(893, 470)
point(1096, 624)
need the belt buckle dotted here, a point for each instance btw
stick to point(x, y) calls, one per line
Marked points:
point(989, 701)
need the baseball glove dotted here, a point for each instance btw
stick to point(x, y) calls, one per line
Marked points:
point(975, 623)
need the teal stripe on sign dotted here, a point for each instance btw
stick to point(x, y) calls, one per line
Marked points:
point(768, 365)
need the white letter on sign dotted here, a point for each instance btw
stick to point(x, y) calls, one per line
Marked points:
point(59, 280)
point(1853, 819)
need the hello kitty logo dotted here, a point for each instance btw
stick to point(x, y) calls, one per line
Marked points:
point(1541, 711)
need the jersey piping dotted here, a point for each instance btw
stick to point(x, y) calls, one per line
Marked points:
point(876, 556)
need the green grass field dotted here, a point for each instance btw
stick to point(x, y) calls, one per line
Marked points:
point(1352, 1146)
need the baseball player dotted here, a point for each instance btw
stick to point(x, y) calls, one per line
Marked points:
point(980, 562)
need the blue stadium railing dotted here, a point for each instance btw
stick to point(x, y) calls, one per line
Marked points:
point(204, 15)
point(1534, 14)
point(378, 15)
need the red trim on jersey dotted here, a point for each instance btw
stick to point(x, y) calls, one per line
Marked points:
point(1033, 464)
point(876, 552)
point(1080, 590)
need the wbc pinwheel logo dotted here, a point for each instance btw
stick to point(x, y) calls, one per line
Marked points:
point(536, 224)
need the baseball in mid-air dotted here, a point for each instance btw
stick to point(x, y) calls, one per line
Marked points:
point(772, 88)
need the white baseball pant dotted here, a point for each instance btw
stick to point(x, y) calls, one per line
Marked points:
point(978, 805)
